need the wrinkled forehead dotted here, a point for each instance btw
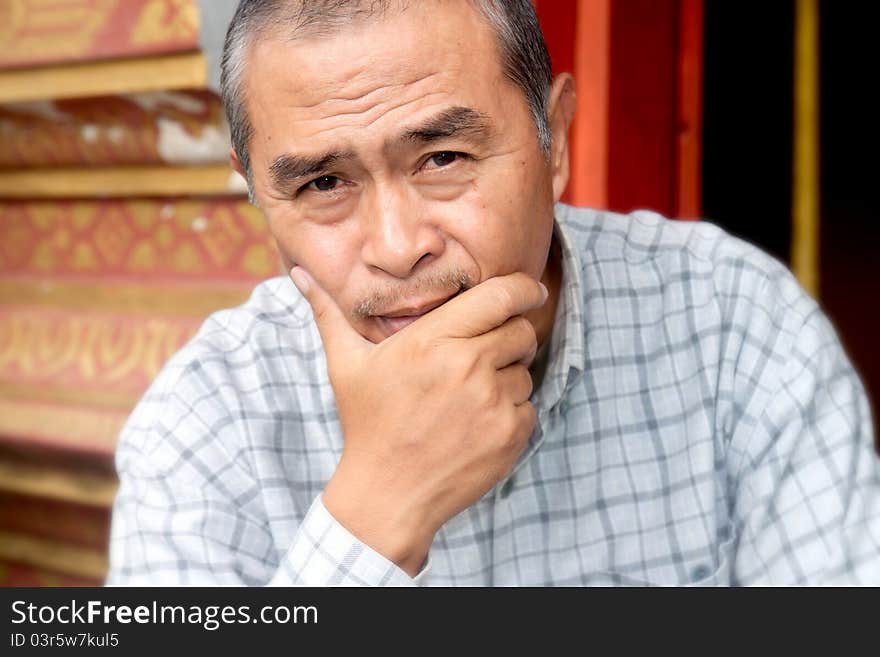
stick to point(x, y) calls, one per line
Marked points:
point(319, 26)
point(449, 41)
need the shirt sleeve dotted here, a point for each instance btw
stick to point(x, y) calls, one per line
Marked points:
point(189, 511)
point(325, 553)
point(806, 503)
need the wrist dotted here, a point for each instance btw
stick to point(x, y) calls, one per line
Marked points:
point(395, 532)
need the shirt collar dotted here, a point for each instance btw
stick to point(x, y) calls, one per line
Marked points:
point(566, 361)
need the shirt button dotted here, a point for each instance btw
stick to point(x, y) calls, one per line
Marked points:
point(700, 572)
point(506, 488)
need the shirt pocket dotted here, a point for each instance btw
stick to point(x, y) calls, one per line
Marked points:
point(700, 576)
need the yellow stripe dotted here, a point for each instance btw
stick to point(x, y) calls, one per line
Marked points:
point(179, 300)
point(63, 18)
point(67, 428)
point(53, 556)
point(56, 484)
point(105, 78)
point(805, 193)
point(42, 392)
point(121, 182)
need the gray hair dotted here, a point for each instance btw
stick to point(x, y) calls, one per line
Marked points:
point(524, 55)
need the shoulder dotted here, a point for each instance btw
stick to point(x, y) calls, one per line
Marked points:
point(656, 256)
point(692, 293)
point(274, 305)
point(645, 237)
point(241, 367)
point(244, 346)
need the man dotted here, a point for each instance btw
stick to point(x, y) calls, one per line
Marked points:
point(470, 383)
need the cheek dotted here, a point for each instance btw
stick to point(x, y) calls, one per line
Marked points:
point(505, 222)
point(328, 253)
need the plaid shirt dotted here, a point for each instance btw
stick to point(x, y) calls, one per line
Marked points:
point(698, 423)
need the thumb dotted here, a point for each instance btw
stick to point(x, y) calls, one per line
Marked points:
point(337, 334)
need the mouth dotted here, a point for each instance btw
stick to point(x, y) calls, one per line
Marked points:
point(401, 317)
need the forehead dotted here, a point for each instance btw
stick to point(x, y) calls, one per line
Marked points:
point(423, 51)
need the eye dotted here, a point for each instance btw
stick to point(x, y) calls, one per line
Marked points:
point(322, 184)
point(444, 158)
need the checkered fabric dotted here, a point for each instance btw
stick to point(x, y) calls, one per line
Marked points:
point(698, 423)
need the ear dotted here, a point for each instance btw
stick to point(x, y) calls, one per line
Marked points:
point(235, 163)
point(560, 113)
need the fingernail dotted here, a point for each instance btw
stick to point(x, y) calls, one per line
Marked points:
point(300, 279)
point(544, 291)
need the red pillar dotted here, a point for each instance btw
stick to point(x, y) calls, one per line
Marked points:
point(638, 68)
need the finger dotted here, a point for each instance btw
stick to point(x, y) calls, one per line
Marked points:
point(526, 418)
point(514, 341)
point(338, 336)
point(515, 383)
point(487, 305)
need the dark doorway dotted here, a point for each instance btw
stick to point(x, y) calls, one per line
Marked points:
point(747, 121)
point(850, 237)
point(747, 160)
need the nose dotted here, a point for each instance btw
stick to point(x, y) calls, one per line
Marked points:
point(398, 236)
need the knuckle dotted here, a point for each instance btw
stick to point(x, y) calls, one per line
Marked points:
point(524, 418)
point(510, 433)
point(531, 417)
point(536, 289)
point(525, 336)
point(533, 351)
point(525, 328)
point(526, 379)
point(490, 395)
point(528, 287)
point(514, 429)
point(504, 296)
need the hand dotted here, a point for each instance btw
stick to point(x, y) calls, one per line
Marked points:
point(433, 416)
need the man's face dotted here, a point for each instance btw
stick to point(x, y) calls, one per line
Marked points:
point(396, 163)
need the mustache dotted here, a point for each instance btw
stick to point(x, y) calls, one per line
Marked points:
point(380, 301)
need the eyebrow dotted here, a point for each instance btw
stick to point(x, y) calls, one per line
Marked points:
point(452, 122)
point(288, 167)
